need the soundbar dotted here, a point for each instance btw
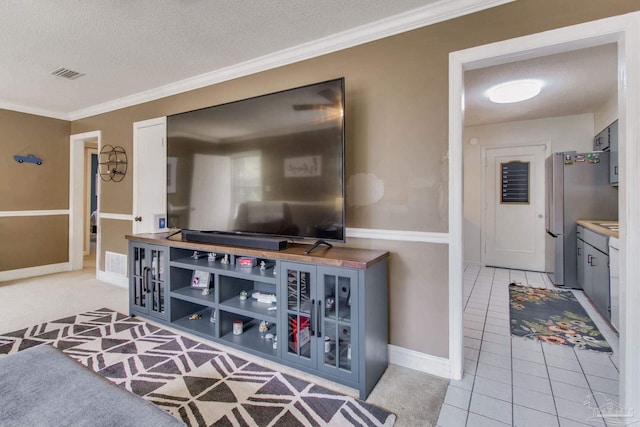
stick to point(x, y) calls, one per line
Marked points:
point(253, 242)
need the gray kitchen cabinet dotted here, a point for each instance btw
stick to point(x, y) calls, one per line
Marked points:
point(593, 268)
point(607, 140)
point(329, 317)
point(613, 156)
point(580, 258)
point(599, 271)
point(601, 140)
point(148, 280)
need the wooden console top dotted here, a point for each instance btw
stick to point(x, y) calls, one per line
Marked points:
point(336, 256)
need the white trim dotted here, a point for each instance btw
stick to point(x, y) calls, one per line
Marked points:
point(41, 270)
point(122, 217)
point(624, 30)
point(33, 110)
point(113, 279)
point(419, 361)
point(456, 215)
point(399, 235)
point(7, 214)
point(76, 198)
point(629, 215)
point(416, 18)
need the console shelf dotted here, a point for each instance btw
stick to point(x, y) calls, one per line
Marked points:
point(249, 307)
point(331, 302)
point(251, 339)
point(229, 270)
point(194, 295)
point(202, 326)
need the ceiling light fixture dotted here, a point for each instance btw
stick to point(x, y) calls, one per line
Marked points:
point(514, 91)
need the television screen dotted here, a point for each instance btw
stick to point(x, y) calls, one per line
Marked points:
point(269, 165)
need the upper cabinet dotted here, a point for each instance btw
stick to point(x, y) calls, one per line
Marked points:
point(601, 141)
point(607, 140)
point(613, 157)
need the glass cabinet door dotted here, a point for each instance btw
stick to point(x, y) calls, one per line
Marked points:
point(138, 269)
point(339, 309)
point(156, 282)
point(301, 313)
point(148, 269)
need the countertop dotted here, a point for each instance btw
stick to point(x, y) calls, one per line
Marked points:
point(599, 227)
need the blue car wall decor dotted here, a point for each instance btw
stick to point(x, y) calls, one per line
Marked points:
point(29, 158)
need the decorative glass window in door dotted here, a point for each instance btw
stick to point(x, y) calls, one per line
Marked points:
point(514, 182)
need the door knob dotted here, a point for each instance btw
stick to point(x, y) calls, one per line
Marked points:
point(138, 219)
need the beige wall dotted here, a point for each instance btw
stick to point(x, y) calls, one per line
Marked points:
point(112, 237)
point(29, 187)
point(397, 124)
point(32, 241)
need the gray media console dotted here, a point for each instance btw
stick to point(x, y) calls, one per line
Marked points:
point(325, 313)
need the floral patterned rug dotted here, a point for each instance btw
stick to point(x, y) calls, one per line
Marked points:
point(553, 316)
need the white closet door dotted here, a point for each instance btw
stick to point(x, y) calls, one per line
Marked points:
point(149, 175)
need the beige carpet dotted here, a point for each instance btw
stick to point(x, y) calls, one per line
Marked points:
point(415, 397)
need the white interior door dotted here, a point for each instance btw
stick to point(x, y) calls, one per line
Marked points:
point(150, 176)
point(514, 231)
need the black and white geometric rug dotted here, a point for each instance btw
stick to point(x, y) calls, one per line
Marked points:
point(193, 381)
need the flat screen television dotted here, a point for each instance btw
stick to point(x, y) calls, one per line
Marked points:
point(272, 165)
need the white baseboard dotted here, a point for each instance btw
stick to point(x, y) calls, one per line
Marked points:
point(113, 279)
point(41, 270)
point(422, 362)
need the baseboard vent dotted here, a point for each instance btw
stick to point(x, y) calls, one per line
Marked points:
point(115, 263)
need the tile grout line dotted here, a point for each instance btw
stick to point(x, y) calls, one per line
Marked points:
point(553, 396)
point(484, 324)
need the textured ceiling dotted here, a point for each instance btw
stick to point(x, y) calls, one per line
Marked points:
point(575, 82)
point(126, 47)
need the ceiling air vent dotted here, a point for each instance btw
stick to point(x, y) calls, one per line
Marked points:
point(66, 73)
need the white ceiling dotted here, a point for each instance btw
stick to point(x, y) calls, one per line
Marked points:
point(575, 82)
point(141, 47)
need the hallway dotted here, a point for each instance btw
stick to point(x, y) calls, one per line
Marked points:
point(521, 382)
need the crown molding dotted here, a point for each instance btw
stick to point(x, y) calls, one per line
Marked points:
point(33, 110)
point(440, 11)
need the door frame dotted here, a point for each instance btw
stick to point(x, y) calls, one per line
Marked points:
point(76, 198)
point(625, 31)
point(483, 217)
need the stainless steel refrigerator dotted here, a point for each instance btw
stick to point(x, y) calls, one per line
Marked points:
point(577, 188)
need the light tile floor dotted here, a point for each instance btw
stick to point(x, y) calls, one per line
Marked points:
point(521, 382)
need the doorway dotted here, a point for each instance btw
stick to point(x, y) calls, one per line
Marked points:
point(90, 205)
point(81, 147)
point(623, 31)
